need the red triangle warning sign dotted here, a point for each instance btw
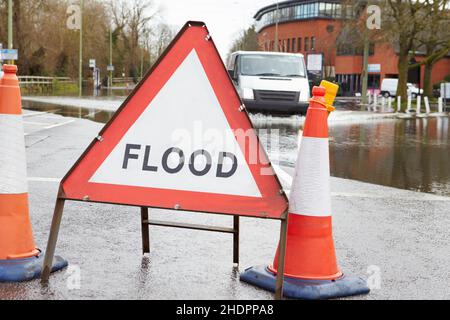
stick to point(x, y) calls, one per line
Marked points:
point(181, 140)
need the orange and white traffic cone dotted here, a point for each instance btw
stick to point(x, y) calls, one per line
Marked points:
point(19, 257)
point(311, 270)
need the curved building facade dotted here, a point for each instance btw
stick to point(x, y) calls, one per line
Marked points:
point(313, 29)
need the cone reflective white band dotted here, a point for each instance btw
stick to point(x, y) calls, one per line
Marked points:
point(13, 178)
point(310, 193)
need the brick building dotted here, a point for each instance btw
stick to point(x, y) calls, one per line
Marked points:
point(313, 27)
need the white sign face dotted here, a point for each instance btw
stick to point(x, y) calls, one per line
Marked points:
point(315, 62)
point(91, 63)
point(9, 54)
point(110, 68)
point(181, 144)
point(376, 67)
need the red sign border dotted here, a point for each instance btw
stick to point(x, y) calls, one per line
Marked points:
point(75, 185)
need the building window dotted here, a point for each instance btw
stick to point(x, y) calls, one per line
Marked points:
point(306, 44)
point(313, 43)
point(328, 10)
point(299, 44)
point(337, 11)
point(294, 45)
point(288, 45)
point(288, 12)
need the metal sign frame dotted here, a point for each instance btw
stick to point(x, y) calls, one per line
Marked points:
point(145, 221)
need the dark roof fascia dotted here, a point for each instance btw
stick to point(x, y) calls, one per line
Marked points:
point(287, 4)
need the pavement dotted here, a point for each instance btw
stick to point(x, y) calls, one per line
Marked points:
point(396, 239)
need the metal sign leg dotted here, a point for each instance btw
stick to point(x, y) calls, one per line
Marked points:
point(145, 230)
point(236, 240)
point(281, 258)
point(52, 239)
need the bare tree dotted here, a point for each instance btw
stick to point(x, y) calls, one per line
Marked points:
point(404, 20)
point(247, 41)
point(434, 38)
point(164, 34)
point(132, 19)
point(47, 47)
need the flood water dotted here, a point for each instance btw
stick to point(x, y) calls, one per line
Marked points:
point(408, 154)
point(411, 154)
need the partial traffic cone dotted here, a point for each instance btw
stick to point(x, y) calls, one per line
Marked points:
point(19, 258)
point(311, 270)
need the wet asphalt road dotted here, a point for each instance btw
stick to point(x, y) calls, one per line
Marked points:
point(402, 233)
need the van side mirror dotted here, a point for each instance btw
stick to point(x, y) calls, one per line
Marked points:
point(232, 75)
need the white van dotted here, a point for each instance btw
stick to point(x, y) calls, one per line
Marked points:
point(389, 88)
point(270, 82)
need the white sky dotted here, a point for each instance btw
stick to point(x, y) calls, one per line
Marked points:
point(224, 18)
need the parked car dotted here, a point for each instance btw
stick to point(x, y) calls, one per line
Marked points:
point(389, 88)
point(271, 82)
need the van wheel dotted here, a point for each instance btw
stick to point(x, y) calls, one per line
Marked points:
point(386, 94)
point(413, 95)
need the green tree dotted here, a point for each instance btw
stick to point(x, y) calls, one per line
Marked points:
point(412, 25)
point(47, 47)
point(247, 41)
point(434, 39)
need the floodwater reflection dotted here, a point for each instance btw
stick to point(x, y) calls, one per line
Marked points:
point(409, 154)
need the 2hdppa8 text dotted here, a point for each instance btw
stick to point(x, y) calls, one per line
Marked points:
point(227, 309)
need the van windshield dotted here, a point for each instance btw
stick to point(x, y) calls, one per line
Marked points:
point(271, 65)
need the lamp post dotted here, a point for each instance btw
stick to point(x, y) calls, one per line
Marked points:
point(110, 60)
point(80, 67)
point(365, 72)
point(373, 21)
point(142, 60)
point(10, 27)
point(277, 18)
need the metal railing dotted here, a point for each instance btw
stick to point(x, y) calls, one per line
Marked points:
point(43, 85)
point(123, 80)
point(40, 80)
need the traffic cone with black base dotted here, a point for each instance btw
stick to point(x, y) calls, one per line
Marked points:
point(311, 270)
point(20, 260)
